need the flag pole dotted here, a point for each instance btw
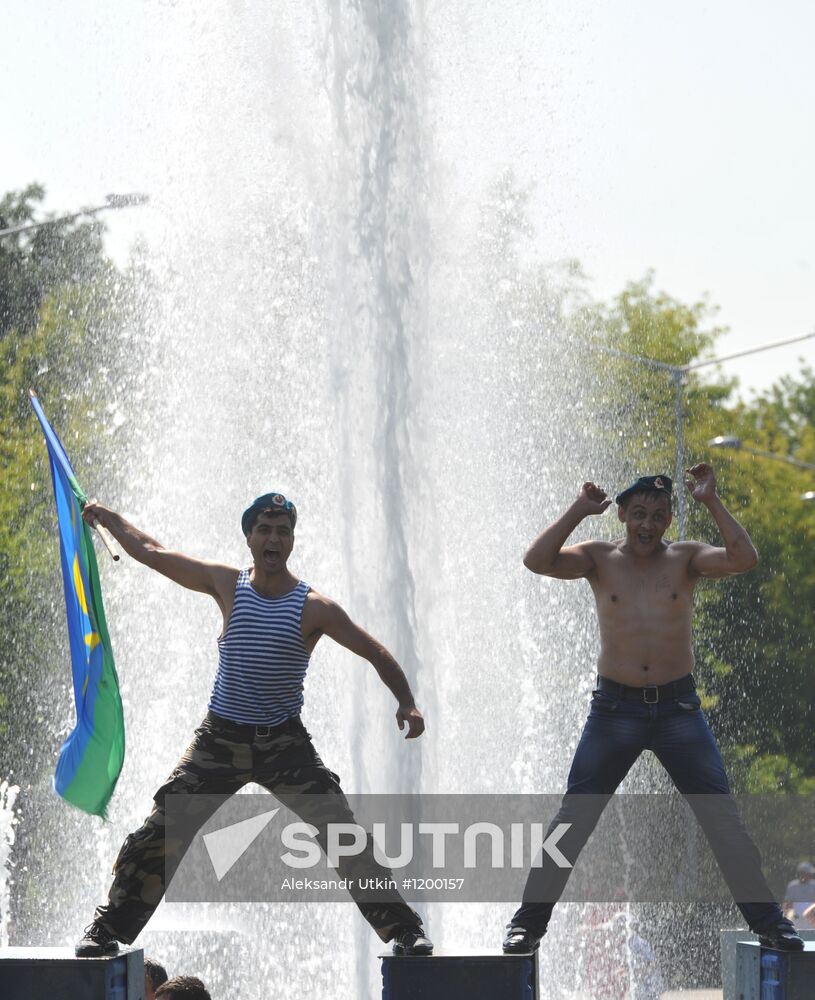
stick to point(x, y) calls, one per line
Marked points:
point(107, 538)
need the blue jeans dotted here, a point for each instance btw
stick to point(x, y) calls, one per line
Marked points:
point(616, 732)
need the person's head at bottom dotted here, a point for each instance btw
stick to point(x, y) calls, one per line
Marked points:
point(154, 975)
point(183, 988)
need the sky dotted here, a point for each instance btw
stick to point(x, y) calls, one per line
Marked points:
point(676, 138)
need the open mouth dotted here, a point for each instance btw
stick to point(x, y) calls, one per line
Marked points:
point(645, 539)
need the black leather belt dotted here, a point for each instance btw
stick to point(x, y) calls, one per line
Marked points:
point(247, 732)
point(650, 695)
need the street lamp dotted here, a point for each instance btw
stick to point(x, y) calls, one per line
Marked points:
point(738, 445)
point(679, 375)
point(725, 441)
point(112, 201)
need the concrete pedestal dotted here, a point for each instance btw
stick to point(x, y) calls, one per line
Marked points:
point(460, 976)
point(56, 974)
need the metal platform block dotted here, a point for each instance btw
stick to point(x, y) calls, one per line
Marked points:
point(728, 941)
point(56, 974)
point(460, 976)
point(766, 974)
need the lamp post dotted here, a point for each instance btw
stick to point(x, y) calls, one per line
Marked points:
point(112, 201)
point(725, 441)
point(678, 375)
point(738, 445)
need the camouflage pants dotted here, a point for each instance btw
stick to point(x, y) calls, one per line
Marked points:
point(223, 757)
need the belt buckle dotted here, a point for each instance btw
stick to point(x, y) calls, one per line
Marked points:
point(263, 731)
point(646, 699)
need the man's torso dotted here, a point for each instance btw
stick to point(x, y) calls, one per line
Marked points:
point(308, 627)
point(263, 655)
point(644, 609)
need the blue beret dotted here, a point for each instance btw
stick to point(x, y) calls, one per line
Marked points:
point(275, 502)
point(647, 484)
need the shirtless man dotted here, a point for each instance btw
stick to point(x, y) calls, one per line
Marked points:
point(252, 732)
point(646, 697)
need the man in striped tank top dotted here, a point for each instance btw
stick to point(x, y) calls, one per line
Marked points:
point(252, 732)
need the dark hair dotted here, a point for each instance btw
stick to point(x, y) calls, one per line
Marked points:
point(156, 972)
point(272, 512)
point(183, 988)
point(647, 493)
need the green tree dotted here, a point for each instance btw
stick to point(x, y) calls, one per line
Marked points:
point(35, 262)
point(639, 403)
point(761, 636)
point(63, 313)
point(754, 632)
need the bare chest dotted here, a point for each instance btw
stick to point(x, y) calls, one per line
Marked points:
point(659, 586)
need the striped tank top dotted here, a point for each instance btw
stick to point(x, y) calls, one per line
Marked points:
point(262, 659)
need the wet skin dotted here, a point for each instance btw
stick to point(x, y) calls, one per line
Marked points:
point(644, 596)
point(643, 586)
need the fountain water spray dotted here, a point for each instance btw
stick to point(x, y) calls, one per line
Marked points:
point(324, 323)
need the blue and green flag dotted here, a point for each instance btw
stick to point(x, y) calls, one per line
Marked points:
point(91, 757)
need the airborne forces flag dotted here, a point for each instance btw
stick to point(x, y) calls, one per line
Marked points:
point(91, 758)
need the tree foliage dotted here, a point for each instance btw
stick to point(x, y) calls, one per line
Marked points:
point(640, 402)
point(36, 262)
point(754, 633)
point(760, 637)
point(62, 314)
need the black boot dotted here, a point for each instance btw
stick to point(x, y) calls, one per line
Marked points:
point(520, 941)
point(96, 942)
point(411, 941)
point(781, 936)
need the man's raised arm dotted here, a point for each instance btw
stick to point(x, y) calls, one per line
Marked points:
point(194, 574)
point(739, 554)
point(547, 556)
